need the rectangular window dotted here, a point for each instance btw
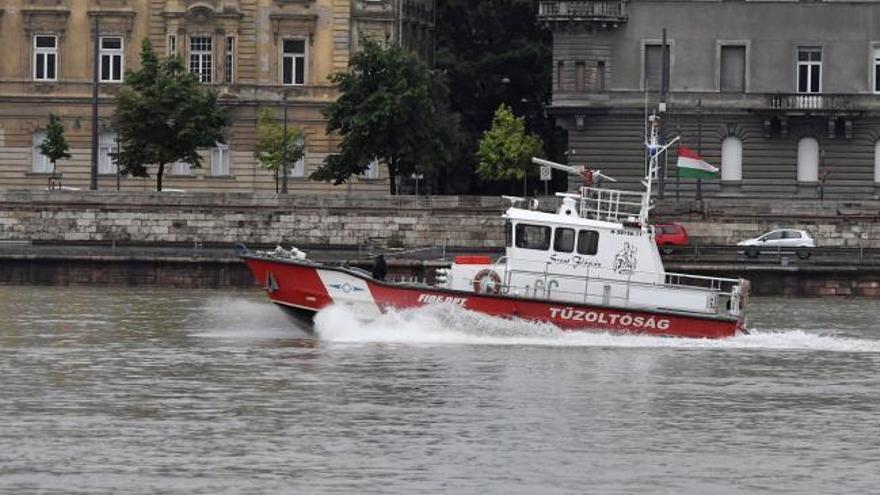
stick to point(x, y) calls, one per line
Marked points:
point(564, 240)
point(39, 162)
point(220, 160)
point(579, 76)
point(111, 59)
point(45, 58)
point(733, 69)
point(877, 70)
point(508, 234)
point(654, 66)
point(560, 71)
point(293, 62)
point(201, 60)
point(532, 236)
point(180, 168)
point(809, 69)
point(230, 59)
point(106, 145)
point(171, 45)
point(600, 76)
point(588, 242)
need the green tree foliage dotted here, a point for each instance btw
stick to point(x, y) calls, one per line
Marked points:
point(55, 146)
point(506, 149)
point(164, 115)
point(391, 107)
point(270, 151)
point(495, 51)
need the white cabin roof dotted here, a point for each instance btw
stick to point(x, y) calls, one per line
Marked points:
point(542, 217)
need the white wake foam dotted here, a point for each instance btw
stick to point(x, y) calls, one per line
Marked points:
point(449, 324)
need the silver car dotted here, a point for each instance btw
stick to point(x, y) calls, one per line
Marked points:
point(800, 240)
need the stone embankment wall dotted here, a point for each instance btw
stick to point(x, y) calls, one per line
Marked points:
point(326, 221)
point(395, 221)
point(729, 220)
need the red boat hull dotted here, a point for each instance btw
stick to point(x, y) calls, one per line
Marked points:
point(306, 288)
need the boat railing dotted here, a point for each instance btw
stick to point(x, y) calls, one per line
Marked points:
point(687, 280)
point(546, 286)
point(610, 205)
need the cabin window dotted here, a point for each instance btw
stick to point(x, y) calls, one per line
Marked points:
point(564, 240)
point(508, 234)
point(588, 242)
point(532, 236)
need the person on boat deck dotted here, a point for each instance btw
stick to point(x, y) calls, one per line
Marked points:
point(380, 268)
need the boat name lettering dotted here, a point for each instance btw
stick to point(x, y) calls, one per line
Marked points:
point(627, 232)
point(625, 319)
point(432, 298)
point(576, 260)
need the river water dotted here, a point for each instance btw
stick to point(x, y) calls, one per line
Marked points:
point(172, 391)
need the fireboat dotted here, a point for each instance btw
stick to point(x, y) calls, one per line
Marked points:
point(590, 265)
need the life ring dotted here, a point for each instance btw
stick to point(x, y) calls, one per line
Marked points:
point(486, 281)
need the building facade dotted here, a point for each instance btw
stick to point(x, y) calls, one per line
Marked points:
point(252, 51)
point(783, 96)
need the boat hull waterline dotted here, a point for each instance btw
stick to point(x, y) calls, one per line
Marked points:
point(304, 288)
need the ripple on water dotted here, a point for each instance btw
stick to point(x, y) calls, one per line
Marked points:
point(141, 391)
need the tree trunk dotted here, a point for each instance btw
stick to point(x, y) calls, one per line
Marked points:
point(392, 176)
point(159, 177)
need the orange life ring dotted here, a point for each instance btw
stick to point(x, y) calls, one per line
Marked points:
point(486, 281)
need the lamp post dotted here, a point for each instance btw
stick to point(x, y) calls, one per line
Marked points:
point(93, 170)
point(284, 146)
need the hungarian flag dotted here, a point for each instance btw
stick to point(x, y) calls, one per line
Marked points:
point(691, 166)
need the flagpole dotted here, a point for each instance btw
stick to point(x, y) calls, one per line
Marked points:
point(677, 172)
point(700, 146)
point(664, 81)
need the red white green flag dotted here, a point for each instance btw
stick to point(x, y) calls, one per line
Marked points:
point(692, 166)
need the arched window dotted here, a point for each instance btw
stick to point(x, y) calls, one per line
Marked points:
point(731, 159)
point(106, 145)
point(40, 163)
point(877, 162)
point(808, 160)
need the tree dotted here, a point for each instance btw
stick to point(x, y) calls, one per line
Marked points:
point(506, 150)
point(164, 115)
point(270, 151)
point(55, 146)
point(495, 51)
point(392, 107)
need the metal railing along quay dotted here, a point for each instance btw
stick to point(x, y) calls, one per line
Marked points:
point(713, 254)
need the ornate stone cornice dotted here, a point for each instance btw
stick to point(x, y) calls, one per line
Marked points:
point(293, 23)
point(47, 19)
point(113, 21)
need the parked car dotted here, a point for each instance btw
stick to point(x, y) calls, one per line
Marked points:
point(669, 235)
point(800, 241)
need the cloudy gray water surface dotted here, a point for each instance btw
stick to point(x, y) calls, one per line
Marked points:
point(172, 391)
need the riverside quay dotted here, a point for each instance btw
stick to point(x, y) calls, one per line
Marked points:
point(253, 52)
point(783, 96)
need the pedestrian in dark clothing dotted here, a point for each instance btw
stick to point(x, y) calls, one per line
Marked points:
point(380, 268)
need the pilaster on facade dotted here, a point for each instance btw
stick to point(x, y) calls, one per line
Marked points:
point(342, 44)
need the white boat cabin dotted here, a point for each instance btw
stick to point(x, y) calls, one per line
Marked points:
point(596, 249)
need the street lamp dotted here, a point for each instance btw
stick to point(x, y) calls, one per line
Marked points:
point(284, 146)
